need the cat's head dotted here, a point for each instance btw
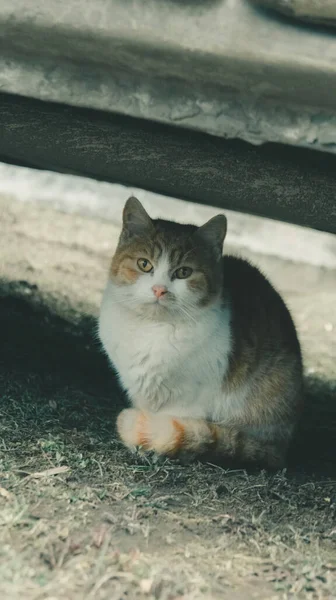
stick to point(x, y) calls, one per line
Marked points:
point(162, 268)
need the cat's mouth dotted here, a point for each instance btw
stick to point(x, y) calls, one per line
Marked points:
point(160, 303)
point(165, 301)
point(152, 306)
point(157, 305)
point(153, 311)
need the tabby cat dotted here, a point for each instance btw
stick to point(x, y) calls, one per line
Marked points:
point(203, 345)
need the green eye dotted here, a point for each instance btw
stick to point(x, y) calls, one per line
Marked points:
point(183, 272)
point(145, 265)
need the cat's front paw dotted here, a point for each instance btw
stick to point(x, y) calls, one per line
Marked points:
point(129, 427)
point(150, 432)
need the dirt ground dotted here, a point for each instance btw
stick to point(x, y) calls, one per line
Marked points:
point(82, 518)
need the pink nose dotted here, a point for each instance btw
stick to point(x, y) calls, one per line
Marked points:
point(159, 290)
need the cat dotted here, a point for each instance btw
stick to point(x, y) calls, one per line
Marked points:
point(204, 346)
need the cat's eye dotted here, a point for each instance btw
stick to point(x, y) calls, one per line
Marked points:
point(145, 265)
point(183, 272)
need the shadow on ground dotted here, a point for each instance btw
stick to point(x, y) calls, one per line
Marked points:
point(55, 378)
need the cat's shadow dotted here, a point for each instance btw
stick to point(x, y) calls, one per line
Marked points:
point(313, 447)
point(47, 361)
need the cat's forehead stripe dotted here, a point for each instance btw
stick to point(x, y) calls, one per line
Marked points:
point(158, 250)
point(169, 250)
point(175, 256)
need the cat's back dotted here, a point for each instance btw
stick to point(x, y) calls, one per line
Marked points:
point(258, 310)
point(241, 275)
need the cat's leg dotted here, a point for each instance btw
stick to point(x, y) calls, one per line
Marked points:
point(173, 436)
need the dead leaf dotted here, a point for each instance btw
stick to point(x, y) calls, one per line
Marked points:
point(5, 493)
point(99, 536)
point(46, 473)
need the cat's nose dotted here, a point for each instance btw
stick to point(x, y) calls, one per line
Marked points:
point(159, 290)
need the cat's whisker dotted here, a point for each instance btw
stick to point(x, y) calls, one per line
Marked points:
point(124, 301)
point(190, 305)
point(189, 252)
point(186, 313)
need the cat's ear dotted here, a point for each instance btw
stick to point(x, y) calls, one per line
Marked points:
point(213, 232)
point(136, 222)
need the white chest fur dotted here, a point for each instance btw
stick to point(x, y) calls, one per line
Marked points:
point(175, 368)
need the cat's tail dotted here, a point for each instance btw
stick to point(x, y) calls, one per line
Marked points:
point(171, 436)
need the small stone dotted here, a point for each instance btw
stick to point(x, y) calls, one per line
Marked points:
point(146, 585)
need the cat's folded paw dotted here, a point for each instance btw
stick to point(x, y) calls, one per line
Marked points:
point(150, 432)
point(129, 427)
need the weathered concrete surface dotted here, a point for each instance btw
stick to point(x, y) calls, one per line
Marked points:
point(223, 67)
point(319, 11)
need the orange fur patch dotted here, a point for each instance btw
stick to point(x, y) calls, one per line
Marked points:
point(142, 431)
point(180, 435)
point(123, 269)
point(127, 274)
point(214, 432)
point(197, 282)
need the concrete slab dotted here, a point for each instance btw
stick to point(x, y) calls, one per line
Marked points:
point(224, 67)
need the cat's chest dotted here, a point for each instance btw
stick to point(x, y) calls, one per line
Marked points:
point(154, 348)
point(160, 363)
point(148, 351)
